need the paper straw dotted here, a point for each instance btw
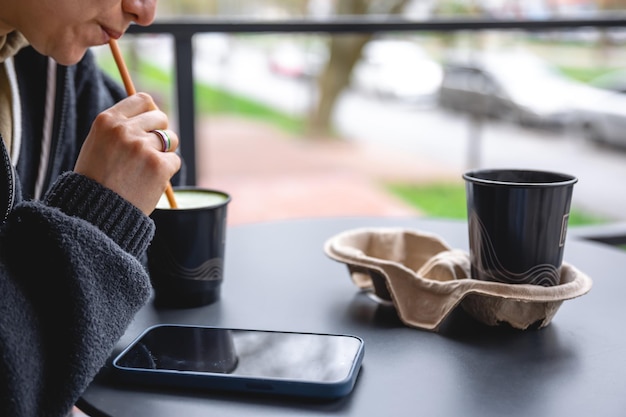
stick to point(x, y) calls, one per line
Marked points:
point(130, 90)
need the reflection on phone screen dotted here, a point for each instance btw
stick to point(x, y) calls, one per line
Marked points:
point(263, 354)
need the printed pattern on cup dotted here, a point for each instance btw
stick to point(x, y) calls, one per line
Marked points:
point(210, 270)
point(487, 263)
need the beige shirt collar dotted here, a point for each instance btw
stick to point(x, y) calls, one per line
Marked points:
point(10, 44)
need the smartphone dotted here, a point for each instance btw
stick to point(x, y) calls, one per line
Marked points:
point(261, 361)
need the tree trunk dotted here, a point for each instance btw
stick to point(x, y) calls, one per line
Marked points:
point(345, 51)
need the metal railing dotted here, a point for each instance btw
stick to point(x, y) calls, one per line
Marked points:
point(183, 31)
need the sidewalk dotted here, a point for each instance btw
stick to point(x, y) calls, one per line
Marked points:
point(273, 176)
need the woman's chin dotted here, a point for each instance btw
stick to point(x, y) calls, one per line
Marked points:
point(69, 57)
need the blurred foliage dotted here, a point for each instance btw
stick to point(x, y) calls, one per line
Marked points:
point(276, 8)
point(229, 8)
point(458, 8)
point(259, 9)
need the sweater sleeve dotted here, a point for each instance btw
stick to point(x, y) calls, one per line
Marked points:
point(71, 283)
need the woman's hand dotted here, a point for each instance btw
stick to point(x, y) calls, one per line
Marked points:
point(123, 153)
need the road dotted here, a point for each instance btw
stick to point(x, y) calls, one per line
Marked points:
point(426, 132)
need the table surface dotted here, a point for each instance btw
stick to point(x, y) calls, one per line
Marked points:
point(277, 277)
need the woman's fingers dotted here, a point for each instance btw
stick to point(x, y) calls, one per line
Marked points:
point(130, 150)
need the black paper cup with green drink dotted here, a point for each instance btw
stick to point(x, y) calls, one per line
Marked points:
point(186, 257)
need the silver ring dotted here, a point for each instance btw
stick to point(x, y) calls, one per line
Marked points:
point(165, 139)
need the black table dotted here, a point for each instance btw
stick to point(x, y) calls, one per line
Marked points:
point(278, 278)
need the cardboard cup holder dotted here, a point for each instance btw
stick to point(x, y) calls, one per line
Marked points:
point(426, 280)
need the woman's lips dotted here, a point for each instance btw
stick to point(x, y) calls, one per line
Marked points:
point(112, 34)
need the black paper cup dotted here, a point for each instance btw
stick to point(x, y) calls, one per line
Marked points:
point(186, 257)
point(517, 224)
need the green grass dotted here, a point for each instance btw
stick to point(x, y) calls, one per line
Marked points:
point(448, 201)
point(438, 200)
point(584, 74)
point(209, 99)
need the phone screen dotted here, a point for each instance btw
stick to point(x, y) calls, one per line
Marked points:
point(317, 358)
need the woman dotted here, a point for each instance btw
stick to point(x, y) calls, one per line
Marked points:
point(70, 278)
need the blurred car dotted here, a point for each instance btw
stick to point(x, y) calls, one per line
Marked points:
point(293, 60)
point(512, 86)
point(398, 69)
point(603, 117)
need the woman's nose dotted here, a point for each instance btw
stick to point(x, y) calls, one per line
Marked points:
point(142, 11)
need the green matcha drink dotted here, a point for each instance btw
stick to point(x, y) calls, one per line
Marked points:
point(194, 198)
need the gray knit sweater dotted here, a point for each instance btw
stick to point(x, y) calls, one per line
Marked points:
point(70, 279)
